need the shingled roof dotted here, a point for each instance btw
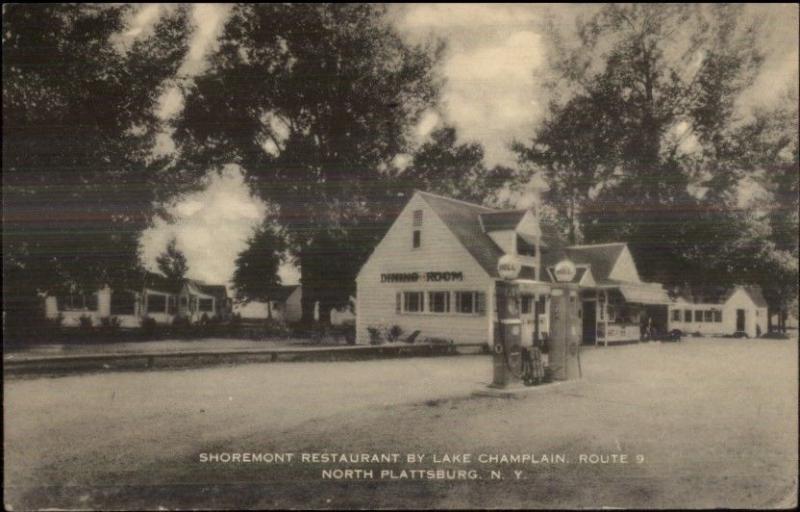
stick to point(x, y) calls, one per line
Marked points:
point(501, 220)
point(463, 219)
point(721, 294)
point(470, 223)
point(160, 283)
point(601, 257)
point(754, 291)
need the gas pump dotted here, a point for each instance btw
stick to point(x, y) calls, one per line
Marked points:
point(565, 332)
point(507, 357)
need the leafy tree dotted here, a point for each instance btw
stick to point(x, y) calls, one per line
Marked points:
point(78, 126)
point(442, 165)
point(172, 263)
point(256, 275)
point(640, 140)
point(769, 147)
point(314, 101)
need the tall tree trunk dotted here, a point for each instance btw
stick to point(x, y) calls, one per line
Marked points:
point(307, 308)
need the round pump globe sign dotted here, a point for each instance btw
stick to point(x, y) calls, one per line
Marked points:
point(508, 267)
point(565, 271)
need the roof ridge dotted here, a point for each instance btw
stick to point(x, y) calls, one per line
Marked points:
point(498, 212)
point(585, 246)
point(491, 210)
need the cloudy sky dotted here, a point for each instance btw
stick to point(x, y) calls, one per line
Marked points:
point(496, 56)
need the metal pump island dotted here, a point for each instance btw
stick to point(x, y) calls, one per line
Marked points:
point(563, 343)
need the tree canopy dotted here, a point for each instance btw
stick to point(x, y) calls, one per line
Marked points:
point(256, 275)
point(643, 140)
point(79, 179)
point(172, 263)
point(337, 94)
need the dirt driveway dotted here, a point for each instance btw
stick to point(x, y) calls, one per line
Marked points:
point(714, 422)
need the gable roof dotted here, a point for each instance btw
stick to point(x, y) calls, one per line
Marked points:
point(471, 223)
point(501, 220)
point(282, 293)
point(754, 291)
point(158, 282)
point(215, 290)
point(721, 294)
point(463, 220)
point(601, 257)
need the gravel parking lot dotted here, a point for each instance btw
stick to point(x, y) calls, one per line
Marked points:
point(714, 421)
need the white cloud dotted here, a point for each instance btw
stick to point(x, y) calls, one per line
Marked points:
point(142, 22)
point(401, 161)
point(429, 121)
point(493, 53)
point(491, 92)
point(212, 226)
point(170, 103)
point(208, 21)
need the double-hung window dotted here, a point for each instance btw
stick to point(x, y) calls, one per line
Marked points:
point(413, 302)
point(470, 302)
point(439, 302)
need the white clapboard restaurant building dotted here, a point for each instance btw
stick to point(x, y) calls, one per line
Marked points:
point(435, 272)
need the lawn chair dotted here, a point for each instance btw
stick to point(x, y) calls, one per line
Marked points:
point(411, 338)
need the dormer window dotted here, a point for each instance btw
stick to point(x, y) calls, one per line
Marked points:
point(525, 248)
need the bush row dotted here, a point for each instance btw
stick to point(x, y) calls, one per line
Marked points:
point(110, 330)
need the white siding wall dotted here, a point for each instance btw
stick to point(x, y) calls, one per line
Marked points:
point(625, 268)
point(294, 308)
point(160, 317)
point(255, 310)
point(506, 240)
point(753, 315)
point(529, 225)
point(440, 251)
point(72, 318)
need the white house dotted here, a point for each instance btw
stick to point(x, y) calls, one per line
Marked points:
point(157, 298)
point(718, 312)
point(283, 306)
point(435, 271)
